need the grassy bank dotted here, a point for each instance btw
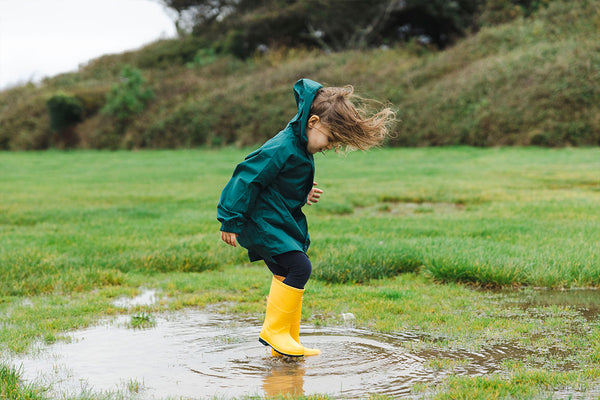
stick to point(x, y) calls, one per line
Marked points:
point(395, 236)
point(531, 81)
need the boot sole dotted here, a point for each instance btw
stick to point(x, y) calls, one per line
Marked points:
point(264, 342)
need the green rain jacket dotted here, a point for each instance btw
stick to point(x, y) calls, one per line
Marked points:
point(262, 202)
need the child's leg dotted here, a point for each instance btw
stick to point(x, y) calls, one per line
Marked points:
point(297, 268)
point(277, 269)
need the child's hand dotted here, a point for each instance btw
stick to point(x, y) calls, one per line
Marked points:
point(229, 238)
point(314, 195)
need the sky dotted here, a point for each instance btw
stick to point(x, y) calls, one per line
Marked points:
point(40, 38)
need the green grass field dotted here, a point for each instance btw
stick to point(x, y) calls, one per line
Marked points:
point(399, 237)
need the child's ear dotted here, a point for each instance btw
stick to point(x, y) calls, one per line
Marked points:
point(313, 120)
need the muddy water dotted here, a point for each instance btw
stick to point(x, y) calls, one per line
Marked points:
point(585, 301)
point(199, 354)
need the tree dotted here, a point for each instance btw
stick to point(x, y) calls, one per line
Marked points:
point(240, 26)
point(189, 13)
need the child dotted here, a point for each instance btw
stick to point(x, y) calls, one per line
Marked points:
point(261, 206)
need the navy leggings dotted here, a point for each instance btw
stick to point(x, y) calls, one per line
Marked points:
point(294, 266)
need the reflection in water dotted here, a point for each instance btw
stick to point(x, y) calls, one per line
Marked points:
point(285, 378)
point(145, 298)
point(195, 354)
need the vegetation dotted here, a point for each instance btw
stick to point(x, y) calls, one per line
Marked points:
point(532, 80)
point(130, 96)
point(142, 320)
point(13, 388)
point(242, 26)
point(80, 229)
point(405, 239)
point(65, 112)
point(502, 217)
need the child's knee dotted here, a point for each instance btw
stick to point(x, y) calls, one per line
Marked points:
point(307, 270)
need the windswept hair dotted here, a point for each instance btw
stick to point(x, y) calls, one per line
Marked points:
point(350, 119)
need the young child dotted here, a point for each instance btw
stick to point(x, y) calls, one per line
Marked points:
point(261, 205)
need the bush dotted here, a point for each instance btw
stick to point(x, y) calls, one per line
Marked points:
point(65, 112)
point(24, 121)
point(167, 53)
point(495, 12)
point(92, 100)
point(203, 57)
point(187, 126)
point(129, 97)
point(236, 43)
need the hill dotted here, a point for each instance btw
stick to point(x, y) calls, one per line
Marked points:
point(531, 81)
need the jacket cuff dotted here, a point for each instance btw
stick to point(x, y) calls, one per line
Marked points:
point(232, 227)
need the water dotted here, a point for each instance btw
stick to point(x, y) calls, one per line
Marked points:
point(146, 298)
point(585, 301)
point(199, 354)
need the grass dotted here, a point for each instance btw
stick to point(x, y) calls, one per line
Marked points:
point(515, 215)
point(396, 236)
point(142, 320)
point(12, 387)
point(74, 221)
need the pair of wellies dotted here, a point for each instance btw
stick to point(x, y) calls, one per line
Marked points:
point(281, 329)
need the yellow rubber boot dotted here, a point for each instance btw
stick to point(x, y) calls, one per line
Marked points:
point(282, 305)
point(295, 328)
point(295, 333)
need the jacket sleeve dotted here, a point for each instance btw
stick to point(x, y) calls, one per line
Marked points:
point(256, 172)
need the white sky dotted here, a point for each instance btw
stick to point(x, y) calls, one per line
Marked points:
point(40, 38)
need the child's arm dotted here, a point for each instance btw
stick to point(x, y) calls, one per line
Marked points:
point(256, 172)
point(314, 195)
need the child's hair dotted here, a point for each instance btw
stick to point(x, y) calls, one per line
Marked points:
point(347, 117)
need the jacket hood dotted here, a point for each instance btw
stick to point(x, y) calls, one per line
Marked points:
point(305, 91)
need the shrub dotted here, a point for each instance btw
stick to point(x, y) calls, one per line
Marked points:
point(92, 100)
point(186, 126)
point(495, 12)
point(24, 121)
point(203, 57)
point(236, 43)
point(167, 53)
point(128, 97)
point(65, 112)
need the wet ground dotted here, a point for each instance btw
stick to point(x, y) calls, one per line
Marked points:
point(195, 354)
point(585, 301)
point(198, 354)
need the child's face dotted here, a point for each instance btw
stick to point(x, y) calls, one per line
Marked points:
point(319, 136)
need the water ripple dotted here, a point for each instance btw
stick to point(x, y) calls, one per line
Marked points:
point(195, 354)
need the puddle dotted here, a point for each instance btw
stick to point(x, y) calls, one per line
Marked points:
point(584, 301)
point(196, 354)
